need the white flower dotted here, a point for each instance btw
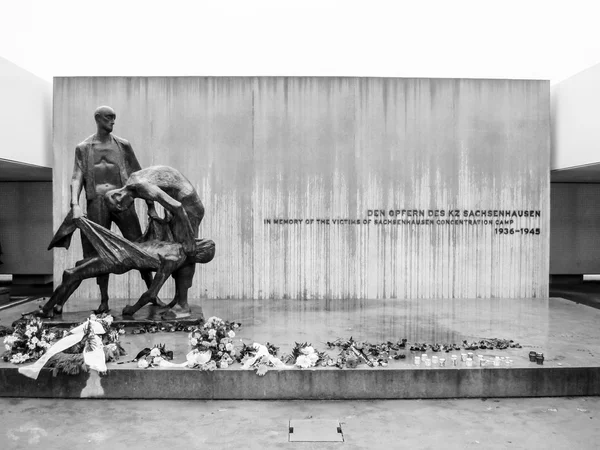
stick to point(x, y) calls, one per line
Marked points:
point(143, 364)
point(93, 317)
point(303, 361)
point(108, 319)
point(51, 336)
point(212, 334)
point(197, 358)
point(8, 347)
point(34, 340)
point(31, 346)
point(155, 352)
point(224, 365)
point(157, 359)
point(231, 334)
point(229, 347)
point(307, 350)
point(19, 358)
point(193, 342)
point(312, 357)
point(213, 321)
point(28, 332)
point(213, 343)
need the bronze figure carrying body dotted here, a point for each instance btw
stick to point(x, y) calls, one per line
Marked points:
point(168, 247)
point(183, 212)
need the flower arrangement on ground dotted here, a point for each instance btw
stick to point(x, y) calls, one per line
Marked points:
point(261, 358)
point(88, 345)
point(212, 344)
point(28, 342)
point(153, 357)
point(305, 356)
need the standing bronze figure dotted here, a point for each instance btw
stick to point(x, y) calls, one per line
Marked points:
point(103, 162)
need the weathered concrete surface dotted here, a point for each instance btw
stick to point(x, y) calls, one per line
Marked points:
point(259, 149)
point(301, 384)
point(533, 423)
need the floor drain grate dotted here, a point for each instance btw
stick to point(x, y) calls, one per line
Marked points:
point(313, 430)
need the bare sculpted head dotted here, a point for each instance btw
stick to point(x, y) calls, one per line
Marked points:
point(119, 199)
point(105, 118)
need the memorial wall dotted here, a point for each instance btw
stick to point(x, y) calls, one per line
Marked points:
point(338, 188)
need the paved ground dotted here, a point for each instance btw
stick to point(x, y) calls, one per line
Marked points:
point(526, 423)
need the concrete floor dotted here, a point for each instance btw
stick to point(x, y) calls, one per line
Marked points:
point(566, 332)
point(526, 423)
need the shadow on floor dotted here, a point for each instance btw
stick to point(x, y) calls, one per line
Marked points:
point(586, 293)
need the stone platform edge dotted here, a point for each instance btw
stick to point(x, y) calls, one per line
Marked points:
point(296, 384)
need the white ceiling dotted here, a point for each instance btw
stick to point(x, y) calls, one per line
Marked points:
point(531, 39)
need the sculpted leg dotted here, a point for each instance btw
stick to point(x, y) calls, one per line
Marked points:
point(164, 272)
point(183, 281)
point(129, 224)
point(72, 278)
point(103, 285)
point(98, 212)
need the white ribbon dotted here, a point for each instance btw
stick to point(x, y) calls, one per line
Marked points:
point(95, 359)
point(192, 358)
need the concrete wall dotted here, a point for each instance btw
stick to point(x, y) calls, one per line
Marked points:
point(25, 228)
point(575, 120)
point(25, 116)
point(317, 149)
point(575, 228)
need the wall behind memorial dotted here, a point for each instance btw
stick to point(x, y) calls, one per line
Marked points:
point(25, 116)
point(575, 228)
point(337, 187)
point(574, 109)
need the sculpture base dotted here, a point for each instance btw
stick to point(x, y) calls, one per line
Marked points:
point(148, 315)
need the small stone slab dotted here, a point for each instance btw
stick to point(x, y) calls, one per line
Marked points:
point(148, 315)
point(315, 430)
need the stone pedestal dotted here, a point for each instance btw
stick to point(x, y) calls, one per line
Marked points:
point(148, 315)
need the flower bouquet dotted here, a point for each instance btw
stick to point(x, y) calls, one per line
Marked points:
point(28, 342)
point(305, 356)
point(212, 344)
point(153, 357)
point(260, 358)
point(88, 345)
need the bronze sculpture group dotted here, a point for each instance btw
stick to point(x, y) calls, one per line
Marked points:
point(107, 170)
